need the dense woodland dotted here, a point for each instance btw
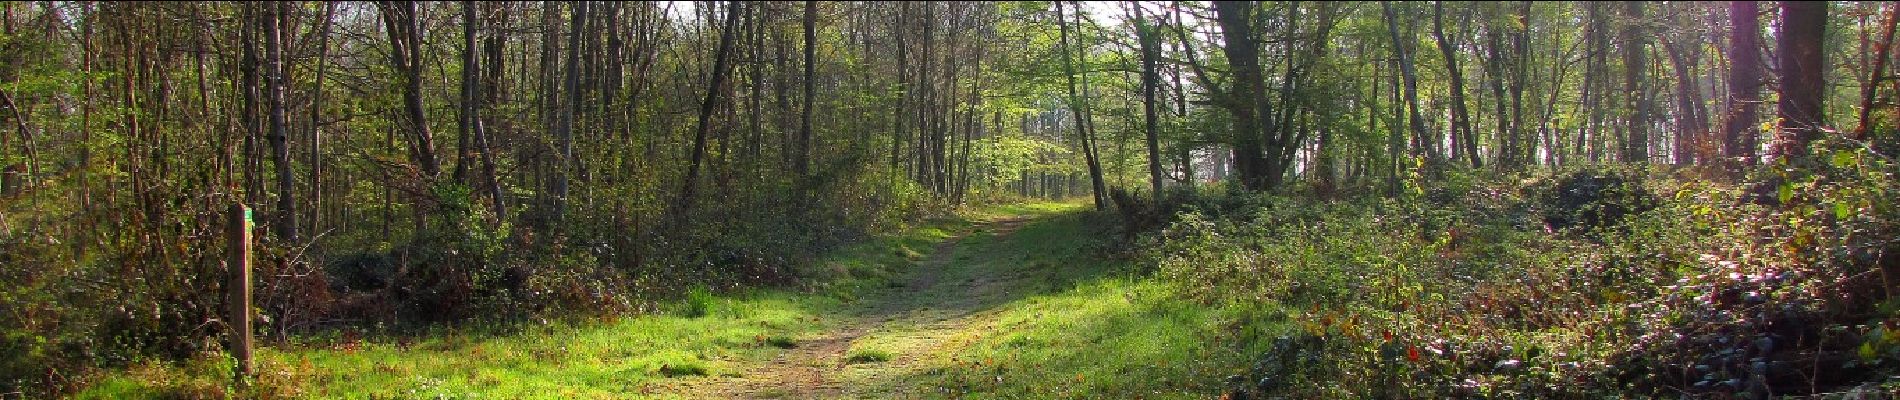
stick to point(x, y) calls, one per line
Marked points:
point(1571, 166)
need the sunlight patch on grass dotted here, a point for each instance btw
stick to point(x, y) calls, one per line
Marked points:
point(581, 360)
point(1110, 338)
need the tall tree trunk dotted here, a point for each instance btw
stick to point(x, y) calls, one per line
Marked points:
point(279, 128)
point(1522, 141)
point(1635, 42)
point(1496, 62)
point(1460, 116)
point(1595, 77)
point(473, 99)
point(943, 110)
point(1691, 121)
point(405, 37)
point(927, 99)
point(315, 165)
point(1246, 99)
point(1744, 83)
point(1079, 109)
point(1802, 66)
point(899, 135)
point(1410, 74)
point(465, 124)
point(613, 78)
point(85, 127)
point(564, 124)
point(248, 66)
point(547, 101)
point(755, 70)
point(1874, 75)
point(803, 167)
point(721, 67)
point(1186, 156)
point(1150, 83)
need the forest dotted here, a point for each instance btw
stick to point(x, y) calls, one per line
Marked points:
point(949, 199)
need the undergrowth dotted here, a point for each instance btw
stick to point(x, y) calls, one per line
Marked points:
point(1585, 282)
point(96, 303)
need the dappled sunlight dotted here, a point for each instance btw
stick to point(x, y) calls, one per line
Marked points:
point(1235, 200)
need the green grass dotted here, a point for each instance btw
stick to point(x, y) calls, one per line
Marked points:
point(1054, 320)
point(713, 335)
point(1065, 323)
point(1118, 337)
point(586, 360)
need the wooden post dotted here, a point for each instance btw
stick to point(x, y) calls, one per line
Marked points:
point(239, 289)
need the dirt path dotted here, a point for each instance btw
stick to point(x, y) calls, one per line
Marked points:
point(908, 321)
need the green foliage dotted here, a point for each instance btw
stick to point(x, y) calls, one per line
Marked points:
point(699, 302)
point(1586, 200)
point(1005, 158)
point(1699, 288)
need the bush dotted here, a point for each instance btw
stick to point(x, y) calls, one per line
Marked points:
point(1584, 283)
point(1588, 199)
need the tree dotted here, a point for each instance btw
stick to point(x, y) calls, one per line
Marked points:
point(721, 68)
point(1079, 108)
point(1589, 141)
point(279, 129)
point(1882, 52)
point(1246, 100)
point(1150, 81)
point(811, 66)
point(1460, 116)
point(1691, 120)
point(473, 100)
point(315, 166)
point(1634, 40)
point(1744, 82)
point(405, 57)
point(1409, 73)
point(564, 124)
point(1802, 66)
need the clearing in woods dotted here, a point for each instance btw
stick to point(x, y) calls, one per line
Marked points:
point(1010, 301)
point(1021, 305)
point(895, 334)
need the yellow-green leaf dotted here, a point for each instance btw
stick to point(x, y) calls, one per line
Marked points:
point(1843, 159)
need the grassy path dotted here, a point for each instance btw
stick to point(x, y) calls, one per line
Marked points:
point(1009, 302)
point(921, 307)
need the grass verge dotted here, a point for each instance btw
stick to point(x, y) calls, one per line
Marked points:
point(599, 358)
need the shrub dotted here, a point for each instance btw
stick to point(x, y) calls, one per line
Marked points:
point(1638, 287)
point(1589, 199)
